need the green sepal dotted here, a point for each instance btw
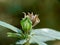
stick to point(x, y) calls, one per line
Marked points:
point(26, 24)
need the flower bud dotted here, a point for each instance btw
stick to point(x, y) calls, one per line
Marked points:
point(26, 24)
point(34, 18)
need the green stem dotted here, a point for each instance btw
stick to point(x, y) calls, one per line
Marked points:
point(27, 43)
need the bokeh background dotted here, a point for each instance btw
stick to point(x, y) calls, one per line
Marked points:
point(11, 12)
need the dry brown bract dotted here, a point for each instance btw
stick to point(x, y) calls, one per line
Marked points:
point(34, 18)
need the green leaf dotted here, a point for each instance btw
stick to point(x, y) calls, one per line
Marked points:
point(14, 35)
point(15, 29)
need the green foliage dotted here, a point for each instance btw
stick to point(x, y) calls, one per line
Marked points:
point(14, 35)
point(38, 36)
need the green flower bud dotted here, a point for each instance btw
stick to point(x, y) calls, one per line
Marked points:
point(26, 24)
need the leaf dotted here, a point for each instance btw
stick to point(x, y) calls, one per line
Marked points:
point(36, 40)
point(21, 41)
point(14, 35)
point(4, 24)
point(43, 35)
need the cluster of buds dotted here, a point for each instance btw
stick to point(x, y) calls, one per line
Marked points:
point(29, 21)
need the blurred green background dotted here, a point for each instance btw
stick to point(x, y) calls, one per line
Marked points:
point(11, 12)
